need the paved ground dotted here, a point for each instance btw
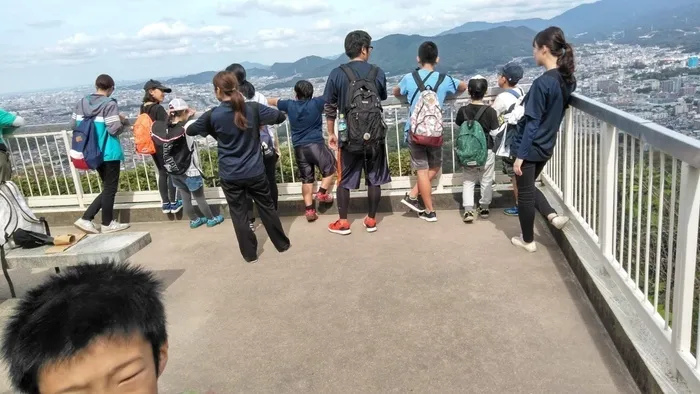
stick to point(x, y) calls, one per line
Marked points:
point(415, 307)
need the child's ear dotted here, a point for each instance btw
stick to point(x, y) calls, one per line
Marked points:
point(163, 358)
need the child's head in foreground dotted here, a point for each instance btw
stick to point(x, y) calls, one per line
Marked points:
point(91, 329)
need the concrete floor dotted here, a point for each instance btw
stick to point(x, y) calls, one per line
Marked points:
point(415, 307)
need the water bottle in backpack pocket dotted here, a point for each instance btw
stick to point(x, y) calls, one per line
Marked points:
point(363, 112)
point(471, 148)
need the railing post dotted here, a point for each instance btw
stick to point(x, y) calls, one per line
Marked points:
point(568, 186)
point(606, 190)
point(73, 171)
point(686, 255)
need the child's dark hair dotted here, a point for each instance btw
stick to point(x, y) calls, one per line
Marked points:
point(304, 90)
point(553, 38)
point(246, 88)
point(104, 82)
point(477, 88)
point(428, 53)
point(227, 83)
point(64, 315)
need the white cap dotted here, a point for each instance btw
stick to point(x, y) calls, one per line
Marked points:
point(477, 77)
point(178, 105)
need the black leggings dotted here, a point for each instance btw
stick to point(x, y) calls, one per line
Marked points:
point(374, 195)
point(168, 192)
point(531, 198)
point(271, 175)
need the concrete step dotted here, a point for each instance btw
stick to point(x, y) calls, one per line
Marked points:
point(289, 205)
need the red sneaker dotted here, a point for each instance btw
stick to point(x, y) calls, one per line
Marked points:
point(326, 198)
point(370, 224)
point(311, 215)
point(340, 226)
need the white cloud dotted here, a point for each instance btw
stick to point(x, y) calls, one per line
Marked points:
point(322, 25)
point(279, 33)
point(165, 30)
point(278, 7)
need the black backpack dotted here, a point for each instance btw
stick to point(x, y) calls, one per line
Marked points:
point(363, 112)
point(177, 155)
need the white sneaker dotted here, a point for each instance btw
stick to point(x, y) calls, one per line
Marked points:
point(559, 221)
point(530, 247)
point(114, 227)
point(87, 226)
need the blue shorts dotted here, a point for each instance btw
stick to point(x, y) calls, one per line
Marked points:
point(191, 183)
point(374, 164)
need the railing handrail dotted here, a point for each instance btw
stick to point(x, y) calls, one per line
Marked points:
point(669, 141)
point(678, 145)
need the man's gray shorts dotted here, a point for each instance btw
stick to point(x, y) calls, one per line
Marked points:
point(425, 157)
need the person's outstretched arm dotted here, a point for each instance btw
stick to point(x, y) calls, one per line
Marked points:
point(202, 126)
point(272, 102)
point(270, 115)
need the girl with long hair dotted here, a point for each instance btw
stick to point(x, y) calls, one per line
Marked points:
point(536, 136)
point(235, 125)
point(267, 135)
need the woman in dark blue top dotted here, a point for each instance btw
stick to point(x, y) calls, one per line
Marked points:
point(235, 124)
point(533, 144)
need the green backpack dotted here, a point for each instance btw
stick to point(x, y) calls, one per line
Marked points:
point(470, 146)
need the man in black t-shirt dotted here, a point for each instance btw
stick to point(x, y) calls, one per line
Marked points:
point(358, 46)
point(477, 87)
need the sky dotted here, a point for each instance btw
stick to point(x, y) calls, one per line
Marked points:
point(47, 44)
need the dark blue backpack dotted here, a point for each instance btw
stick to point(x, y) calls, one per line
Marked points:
point(85, 152)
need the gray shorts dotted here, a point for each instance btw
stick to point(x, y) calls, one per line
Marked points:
point(5, 167)
point(508, 166)
point(425, 157)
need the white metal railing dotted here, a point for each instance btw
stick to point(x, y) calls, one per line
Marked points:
point(634, 186)
point(48, 179)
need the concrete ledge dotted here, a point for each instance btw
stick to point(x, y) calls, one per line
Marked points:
point(642, 354)
point(290, 205)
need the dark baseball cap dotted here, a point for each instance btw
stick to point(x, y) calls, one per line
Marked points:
point(153, 84)
point(513, 73)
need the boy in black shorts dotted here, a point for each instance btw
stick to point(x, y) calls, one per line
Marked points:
point(305, 119)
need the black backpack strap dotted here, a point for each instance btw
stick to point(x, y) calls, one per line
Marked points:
point(348, 71)
point(441, 78)
point(256, 115)
point(373, 72)
point(480, 112)
point(420, 83)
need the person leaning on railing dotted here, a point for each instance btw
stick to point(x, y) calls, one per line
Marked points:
point(536, 135)
point(8, 124)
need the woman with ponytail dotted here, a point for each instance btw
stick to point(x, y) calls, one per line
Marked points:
point(267, 135)
point(235, 125)
point(536, 136)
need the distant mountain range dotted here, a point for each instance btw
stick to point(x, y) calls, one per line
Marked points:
point(483, 45)
point(600, 19)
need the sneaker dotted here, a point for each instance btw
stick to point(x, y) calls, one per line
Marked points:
point(340, 226)
point(413, 204)
point(166, 208)
point(512, 211)
point(325, 198)
point(176, 206)
point(215, 221)
point(484, 213)
point(114, 227)
point(559, 221)
point(311, 215)
point(253, 226)
point(428, 216)
point(198, 222)
point(518, 241)
point(370, 224)
point(87, 226)
point(468, 217)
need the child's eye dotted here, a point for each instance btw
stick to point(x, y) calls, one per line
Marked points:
point(131, 377)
